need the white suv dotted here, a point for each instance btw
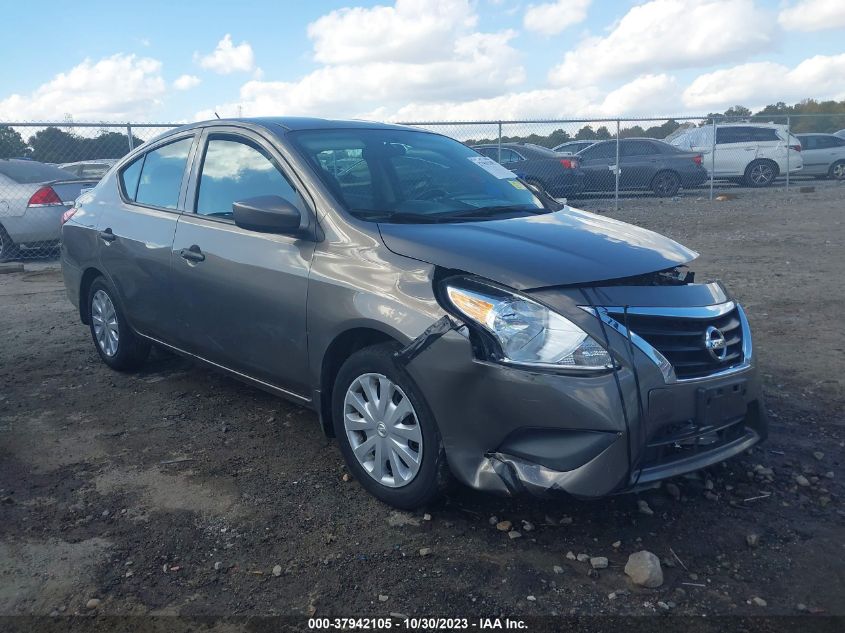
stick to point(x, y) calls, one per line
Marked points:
point(753, 153)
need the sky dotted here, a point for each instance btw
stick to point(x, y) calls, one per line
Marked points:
point(414, 60)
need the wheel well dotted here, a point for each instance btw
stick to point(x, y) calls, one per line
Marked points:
point(88, 278)
point(341, 348)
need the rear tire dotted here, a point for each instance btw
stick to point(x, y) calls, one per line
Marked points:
point(837, 170)
point(118, 346)
point(8, 249)
point(760, 173)
point(380, 414)
point(665, 184)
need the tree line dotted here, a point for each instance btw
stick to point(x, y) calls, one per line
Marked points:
point(54, 145)
point(828, 117)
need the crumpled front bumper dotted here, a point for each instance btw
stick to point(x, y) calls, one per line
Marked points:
point(507, 430)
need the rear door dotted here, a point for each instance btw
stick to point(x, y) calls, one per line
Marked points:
point(597, 162)
point(136, 233)
point(239, 295)
point(735, 149)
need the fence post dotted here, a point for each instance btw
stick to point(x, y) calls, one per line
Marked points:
point(500, 141)
point(616, 169)
point(713, 159)
point(787, 152)
point(129, 136)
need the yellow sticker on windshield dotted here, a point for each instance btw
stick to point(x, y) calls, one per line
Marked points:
point(517, 184)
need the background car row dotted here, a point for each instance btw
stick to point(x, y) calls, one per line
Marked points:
point(751, 154)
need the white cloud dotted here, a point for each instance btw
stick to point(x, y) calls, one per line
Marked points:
point(761, 83)
point(228, 58)
point(385, 57)
point(119, 87)
point(186, 82)
point(553, 17)
point(666, 34)
point(642, 96)
point(813, 15)
point(410, 31)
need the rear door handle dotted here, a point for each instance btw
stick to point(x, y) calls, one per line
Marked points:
point(193, 254)
point(108, 236)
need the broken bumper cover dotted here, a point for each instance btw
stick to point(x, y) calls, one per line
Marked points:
point(508, 431)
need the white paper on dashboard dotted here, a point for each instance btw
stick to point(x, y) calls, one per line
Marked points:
point(491, 166)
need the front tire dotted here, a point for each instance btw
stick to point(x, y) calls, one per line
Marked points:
point(760, 173)
point(118, 346)
point(386, 431)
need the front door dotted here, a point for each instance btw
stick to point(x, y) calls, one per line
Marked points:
point(241, 294)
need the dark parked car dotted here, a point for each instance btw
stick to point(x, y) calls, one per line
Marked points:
point(644, 164)
point(435, 313)
point(557, 175)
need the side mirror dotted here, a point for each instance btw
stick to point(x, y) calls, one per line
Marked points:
point(267, 214)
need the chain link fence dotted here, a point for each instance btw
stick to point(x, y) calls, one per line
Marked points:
point(44, 166)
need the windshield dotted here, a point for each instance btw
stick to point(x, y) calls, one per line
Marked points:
point(30, 171)
point(408, 176)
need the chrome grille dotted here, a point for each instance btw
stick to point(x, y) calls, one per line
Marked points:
point(681, 339)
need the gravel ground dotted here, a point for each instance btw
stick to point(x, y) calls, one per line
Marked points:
point(175, 490)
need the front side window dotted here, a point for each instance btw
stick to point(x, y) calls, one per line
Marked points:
point(161, 174)
point(235, 170)
point(409, 176)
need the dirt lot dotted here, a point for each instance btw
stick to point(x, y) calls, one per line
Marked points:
point(177, 491)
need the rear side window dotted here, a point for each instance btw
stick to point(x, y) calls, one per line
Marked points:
point(637, 148)
point(235, 170)
point(161, 174)
point(129, 177)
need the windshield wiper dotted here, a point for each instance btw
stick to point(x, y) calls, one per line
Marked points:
point(398, 217)
point(486, 212)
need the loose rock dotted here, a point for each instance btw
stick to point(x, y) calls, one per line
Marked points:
point(583, 558)
point(527, 525)
point(277, 571)
point(557, 569)
point(514, 534)
point(425, 551)
point(818, 455)
point(753, 540)
point(93, 603)
point(599, 562)
point(642, 504)
point(757, 601)
point(644, 569)
point(802, 481)
point(570, 555)
point(504, 526)
point(382, 598)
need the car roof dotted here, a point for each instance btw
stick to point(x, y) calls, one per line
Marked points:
point(294, 123)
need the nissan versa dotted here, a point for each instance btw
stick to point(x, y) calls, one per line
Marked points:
point(438, 313)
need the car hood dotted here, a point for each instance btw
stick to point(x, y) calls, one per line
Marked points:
point(562, 248)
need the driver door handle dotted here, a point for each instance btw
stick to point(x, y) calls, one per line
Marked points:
point(108, 236)
point(193, 254)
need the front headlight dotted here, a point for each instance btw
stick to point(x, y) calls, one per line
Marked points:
point(527, 332)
